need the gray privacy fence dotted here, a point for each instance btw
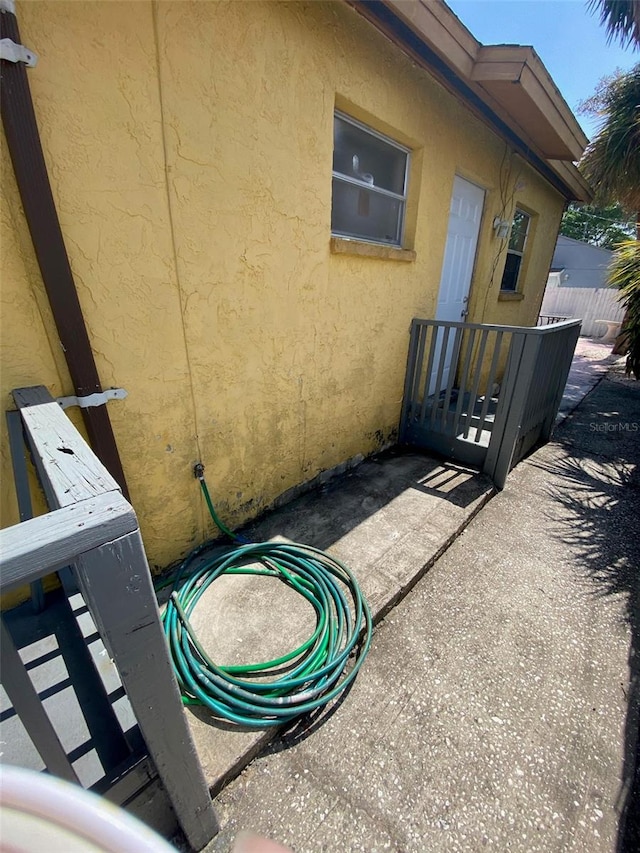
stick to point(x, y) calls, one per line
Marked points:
point(484, 394)
point(93, 529)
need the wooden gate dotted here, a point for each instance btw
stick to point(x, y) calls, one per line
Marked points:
point(500, 397)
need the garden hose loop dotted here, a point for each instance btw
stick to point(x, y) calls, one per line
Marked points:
point(304, 679)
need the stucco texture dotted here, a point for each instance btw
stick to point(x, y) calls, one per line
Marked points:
point(190, 154)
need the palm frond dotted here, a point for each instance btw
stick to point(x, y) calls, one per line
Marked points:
point(611, 162)
point(621, 19)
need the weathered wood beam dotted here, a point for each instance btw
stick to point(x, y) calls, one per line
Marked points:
point(41, 545)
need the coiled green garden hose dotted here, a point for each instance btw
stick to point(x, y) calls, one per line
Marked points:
point(316, 672)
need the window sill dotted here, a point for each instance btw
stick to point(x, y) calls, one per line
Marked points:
point(343, 246)
point(510, 296)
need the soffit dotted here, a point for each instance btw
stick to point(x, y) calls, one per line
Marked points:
point(515, 77)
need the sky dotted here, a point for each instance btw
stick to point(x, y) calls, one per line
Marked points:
point(567, 37)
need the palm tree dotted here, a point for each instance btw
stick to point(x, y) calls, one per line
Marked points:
point(620, 17)
point(611, 161)
point(624, 273)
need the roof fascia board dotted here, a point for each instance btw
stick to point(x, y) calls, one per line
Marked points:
point(564, 110)
point(517, 64)
point(452, 41)
point(570, 174)
point(448, 37)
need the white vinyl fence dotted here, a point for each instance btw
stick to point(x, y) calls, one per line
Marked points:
point(588, 304)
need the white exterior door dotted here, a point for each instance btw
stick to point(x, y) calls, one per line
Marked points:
point(465, 214)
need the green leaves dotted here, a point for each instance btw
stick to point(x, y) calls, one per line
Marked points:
point(601, 226)
point(611, 162)
point(624, 274)
point(621, 19)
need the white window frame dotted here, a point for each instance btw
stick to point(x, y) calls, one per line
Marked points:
point(350, 179)
point(516, 252)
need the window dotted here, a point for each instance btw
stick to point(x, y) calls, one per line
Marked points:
point(369, 183)
point(515, 251)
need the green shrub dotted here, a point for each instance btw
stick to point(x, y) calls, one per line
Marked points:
point(624, 274)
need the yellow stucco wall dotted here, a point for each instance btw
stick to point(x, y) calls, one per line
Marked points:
point(190, 151)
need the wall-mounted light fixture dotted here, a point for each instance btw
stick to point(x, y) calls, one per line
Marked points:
point(501, 227)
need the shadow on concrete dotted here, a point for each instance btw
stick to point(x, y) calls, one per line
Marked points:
point(389, 519)
point(600, 500)
point(320, 518)
point(61, 665)
point(303, 727)
point(329, 512)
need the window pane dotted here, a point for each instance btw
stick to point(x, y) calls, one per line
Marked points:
point(511, 271)
point(358, 154)
point(519, 231)
point(357, 212)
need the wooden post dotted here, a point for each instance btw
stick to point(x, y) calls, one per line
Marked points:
point(516, 388)
point(23, 496)
point(116, 583)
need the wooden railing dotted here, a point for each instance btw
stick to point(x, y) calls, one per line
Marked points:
point(449, 391)
point(92, 528)
point(484, 394)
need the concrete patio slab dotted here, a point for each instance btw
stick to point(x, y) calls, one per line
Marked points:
point(498, 708)
point(591, 361)
point(389, 520)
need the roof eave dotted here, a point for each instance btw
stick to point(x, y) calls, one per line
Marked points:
point(435, 38)
point(515, 76)
point(575, 181)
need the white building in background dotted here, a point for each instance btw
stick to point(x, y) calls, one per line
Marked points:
point(577, 286)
